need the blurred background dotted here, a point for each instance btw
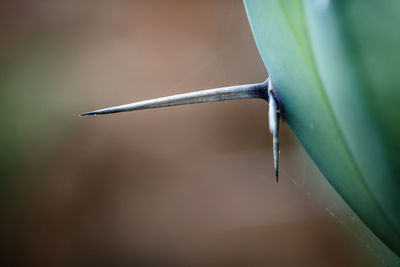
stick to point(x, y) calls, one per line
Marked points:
point(182, 186)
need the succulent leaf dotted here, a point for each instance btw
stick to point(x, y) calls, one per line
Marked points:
point(335, 68)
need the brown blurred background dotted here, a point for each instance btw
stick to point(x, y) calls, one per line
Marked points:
point(182, 186)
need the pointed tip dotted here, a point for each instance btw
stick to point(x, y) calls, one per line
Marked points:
point(87, 114)
point(100, 111)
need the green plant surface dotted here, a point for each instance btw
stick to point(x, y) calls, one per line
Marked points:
point(334, 65)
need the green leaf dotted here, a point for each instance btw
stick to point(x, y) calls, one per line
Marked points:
point(335, 66)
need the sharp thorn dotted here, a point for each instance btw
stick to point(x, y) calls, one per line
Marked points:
point(273, 120)
point(258, 90)
point(262, 90)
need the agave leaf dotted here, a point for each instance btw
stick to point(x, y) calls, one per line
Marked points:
point(334, 66)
